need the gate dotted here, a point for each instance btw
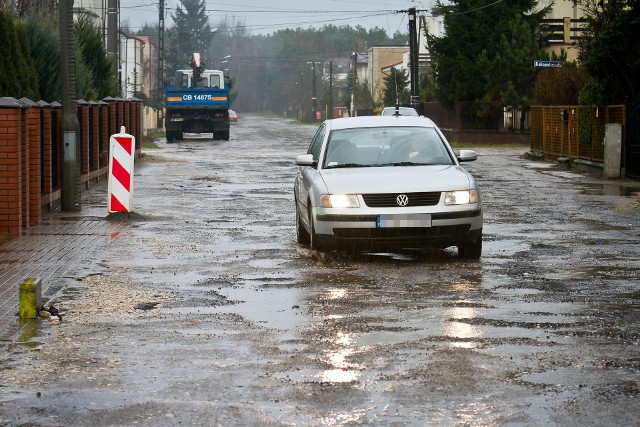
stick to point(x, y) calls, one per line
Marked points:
point(632, 165)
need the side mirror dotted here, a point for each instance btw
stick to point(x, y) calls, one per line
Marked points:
point(467, 156)
point(305, 160)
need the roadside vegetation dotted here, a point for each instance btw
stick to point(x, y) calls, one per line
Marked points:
point(149, 140)
point(30, 58)
point(275, 73)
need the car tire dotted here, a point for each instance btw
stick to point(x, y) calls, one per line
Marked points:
point(224, 135)
point(302, 236)
point(470, 250)
point(314, 241)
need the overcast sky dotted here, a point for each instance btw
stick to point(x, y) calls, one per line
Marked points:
point(268, 16)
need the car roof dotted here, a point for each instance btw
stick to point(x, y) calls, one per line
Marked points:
point(378, 121)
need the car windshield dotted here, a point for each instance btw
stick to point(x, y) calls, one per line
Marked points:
point(385, 146)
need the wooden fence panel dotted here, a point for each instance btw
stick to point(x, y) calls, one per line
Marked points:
point(576, 132)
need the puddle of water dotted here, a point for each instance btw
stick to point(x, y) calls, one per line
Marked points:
point(583, 377)
point(265, 263)
point(611, 189)
point(540, 165)
point(333, 376)
point(273, 308)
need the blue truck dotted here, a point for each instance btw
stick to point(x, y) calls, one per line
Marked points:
point(197, 102)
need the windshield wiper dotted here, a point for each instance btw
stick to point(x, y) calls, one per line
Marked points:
point(404, 164)
point(349, 165)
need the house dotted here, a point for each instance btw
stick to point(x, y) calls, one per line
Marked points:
point(563, 26)
point(378, 59)
point(132, 73)
point(150, 65)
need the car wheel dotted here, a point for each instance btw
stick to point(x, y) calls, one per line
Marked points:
point(224, 135)
point(302, 236)
point(470, 250)
point(314, 242)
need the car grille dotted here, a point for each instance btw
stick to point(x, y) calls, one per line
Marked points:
point(409, 232)
point(388, 200)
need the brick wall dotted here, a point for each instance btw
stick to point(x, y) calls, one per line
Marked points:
point(30, 157)
point(10, 165)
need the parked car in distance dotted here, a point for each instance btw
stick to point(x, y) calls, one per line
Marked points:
point(233, 116)
point(379, 183)
point(401, 111)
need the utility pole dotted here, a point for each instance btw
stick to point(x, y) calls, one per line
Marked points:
point(355, 82)
point(160, 64)
point(69, 125)
point(112, 36)
point(413, 57)
point(314, 98)
point(330, 115)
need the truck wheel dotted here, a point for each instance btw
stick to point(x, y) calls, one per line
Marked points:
point(224, 135)
point(179, 135)
point(170, 136)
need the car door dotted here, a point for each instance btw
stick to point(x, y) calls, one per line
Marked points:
point(308, 174)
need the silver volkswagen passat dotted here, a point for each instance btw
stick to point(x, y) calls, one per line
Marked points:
point(386, 183)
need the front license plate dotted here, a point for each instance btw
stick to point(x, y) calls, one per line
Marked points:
point(406, 220)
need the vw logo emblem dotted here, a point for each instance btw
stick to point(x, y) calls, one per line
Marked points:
point(402, 200)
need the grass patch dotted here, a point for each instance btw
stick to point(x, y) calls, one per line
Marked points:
point(148, 141)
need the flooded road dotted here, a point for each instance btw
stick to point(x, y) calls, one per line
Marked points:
point(204, 310)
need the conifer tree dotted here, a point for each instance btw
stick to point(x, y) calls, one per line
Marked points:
point(487, 53)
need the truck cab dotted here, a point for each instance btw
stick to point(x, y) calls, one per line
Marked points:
point(208, 78)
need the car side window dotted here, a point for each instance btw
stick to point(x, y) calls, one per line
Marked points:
point(316, 144)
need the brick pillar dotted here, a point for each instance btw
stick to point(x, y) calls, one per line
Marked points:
point(111, 114)
point(94, 135)
point(10, 166)
point(104, 133)
point(83, 118)
point(136, 106)
point(34, 169)
point(46, 152)
point(56, 137)
point(24, 145)
point(127, 115)
point(119, 116)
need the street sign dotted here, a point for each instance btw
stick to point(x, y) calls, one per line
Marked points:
point(547, 64)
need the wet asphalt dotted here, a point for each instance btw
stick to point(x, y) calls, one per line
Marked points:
point(204, 311)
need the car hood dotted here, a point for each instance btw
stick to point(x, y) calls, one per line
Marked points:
point(405, 179)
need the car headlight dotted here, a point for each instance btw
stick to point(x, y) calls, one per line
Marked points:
point(460, 197)
point(339, 201)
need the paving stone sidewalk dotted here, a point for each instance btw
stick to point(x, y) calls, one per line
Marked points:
point(55, 250)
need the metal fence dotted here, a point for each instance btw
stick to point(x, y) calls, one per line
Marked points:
point(464, 116)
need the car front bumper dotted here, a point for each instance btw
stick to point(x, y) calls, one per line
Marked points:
point(433, 230)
